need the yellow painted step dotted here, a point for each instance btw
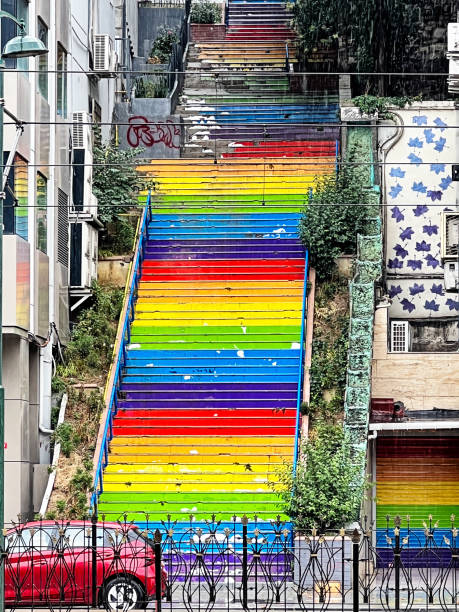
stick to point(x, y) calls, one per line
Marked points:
point(211, 487)
point(214, 320)
point(159, 479)
point(166, 301)
point(205, 442)
point(145, 307)
point(166, 455)
point(180, 469)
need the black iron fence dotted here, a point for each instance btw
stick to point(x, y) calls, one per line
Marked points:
point(234, 565)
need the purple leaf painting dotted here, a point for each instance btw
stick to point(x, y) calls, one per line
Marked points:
point(453, 305)
point(437, 289)
point(434, 195)
point(400, 251)
point(416, 143)
point(395, 264)
point(415, 289)
point(422, 246)
point(397, 172)
point(441, 124)
point(440, 144)
point(431, 305)
point(429, 136)
point(414, 264)
point(407, 305)
point(437, 168)
point(407, 233)
point(430, 229)
point(394, 291)
point(414, 159)
point(420, 210)
point(394, 191)
point(445, 182)
point(432, 262)
point(397, 214)
point(420, 120)
point(419, 187)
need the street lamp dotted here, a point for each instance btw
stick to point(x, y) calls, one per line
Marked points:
point(19, 46)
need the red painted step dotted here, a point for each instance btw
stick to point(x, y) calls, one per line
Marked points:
point(190, 276)
point(206, 415)
point(223, 265)
point(217, 430)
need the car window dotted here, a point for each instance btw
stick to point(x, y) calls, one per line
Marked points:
point(29, 539)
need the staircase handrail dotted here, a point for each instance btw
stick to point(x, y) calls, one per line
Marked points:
point(123, 337)
point(299, 397)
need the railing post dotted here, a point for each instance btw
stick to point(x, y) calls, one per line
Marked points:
point(355, 570)
point(245, 586)
point(397, 568)
point(94, 601)
point(158, 571)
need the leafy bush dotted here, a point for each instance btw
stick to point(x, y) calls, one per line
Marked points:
point(150, 89)
point(163, 44)
point(65, 436)
point(206, 11)
point(335, 213)
point(326, 490)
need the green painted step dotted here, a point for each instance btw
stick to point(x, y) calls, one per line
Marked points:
point(227, 210)
point(225, 332)
point(116, 514)
point(287, 99)
point(213, 343)
point(417, 514)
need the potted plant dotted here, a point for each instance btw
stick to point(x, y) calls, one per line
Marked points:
point(162, 47)
point(207, 21)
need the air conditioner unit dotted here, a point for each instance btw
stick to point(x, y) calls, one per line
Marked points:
point(450, 274)
point(399, 336)
point(82, 162)
point(449, 235)
point(104, 55)
point(453, 38)
point(83, 259)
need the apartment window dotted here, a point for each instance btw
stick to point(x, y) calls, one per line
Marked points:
point(16, 199)
point(425, 336)
point(61, 81)
point(42, 32)
point(42, 213)
point(18, 8)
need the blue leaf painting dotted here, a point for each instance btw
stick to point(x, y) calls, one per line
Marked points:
point(430, 137)
point(432, 262)
point(415, 289)
point(440, 144)
point(453, 305)
point(407, 305)
point(441, 124)
point(422, 209)
point(397, 214)
point(400, 251)
point(434, 195)
point(395, 264)
point(414, 159)
point(407, 233)
point(394, 291)
point(419, 187)
point(416, 143)
point(437, 289)
point(394, 191)
point(420, 120)
point(414, 264)
point(431, 305)
point(445, 182)
point(397, 172)
point(437, 168)
point(422, 246)
point(430, 229)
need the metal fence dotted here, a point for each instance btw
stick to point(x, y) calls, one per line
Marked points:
point(234, 565)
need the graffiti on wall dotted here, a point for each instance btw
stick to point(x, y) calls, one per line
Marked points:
point(144, 133)
point(419, 188)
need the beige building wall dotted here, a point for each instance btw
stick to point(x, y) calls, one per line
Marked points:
point(422, 381)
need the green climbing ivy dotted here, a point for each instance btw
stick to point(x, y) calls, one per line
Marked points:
point(372, 105)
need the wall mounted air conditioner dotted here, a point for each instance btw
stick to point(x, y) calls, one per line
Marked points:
point(449, 235)
point(82, 162)
point(83, 254)
point(104, 55)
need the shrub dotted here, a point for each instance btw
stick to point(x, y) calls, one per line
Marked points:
point(150, 89)
point(163, 44)
point(326, 490)
point(206, 11)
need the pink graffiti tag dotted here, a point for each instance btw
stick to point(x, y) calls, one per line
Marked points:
point(143, 132)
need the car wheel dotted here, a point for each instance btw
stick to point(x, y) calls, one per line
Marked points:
point(122, 594)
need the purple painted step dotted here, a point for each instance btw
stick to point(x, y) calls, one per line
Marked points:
point(231, 249)
point(439, 557)
point(154, 404)
point(235, 389)
point(275, 132)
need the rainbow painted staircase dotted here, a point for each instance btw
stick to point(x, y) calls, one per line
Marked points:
point(210, 382)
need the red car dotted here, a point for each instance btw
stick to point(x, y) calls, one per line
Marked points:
point(55, 562)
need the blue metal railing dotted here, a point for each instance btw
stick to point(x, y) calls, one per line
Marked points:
point(301, 366)
point(125, 336)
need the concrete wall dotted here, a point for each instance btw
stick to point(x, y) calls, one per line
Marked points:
point(418, 188)
point(147, 125)
point(422, 381)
